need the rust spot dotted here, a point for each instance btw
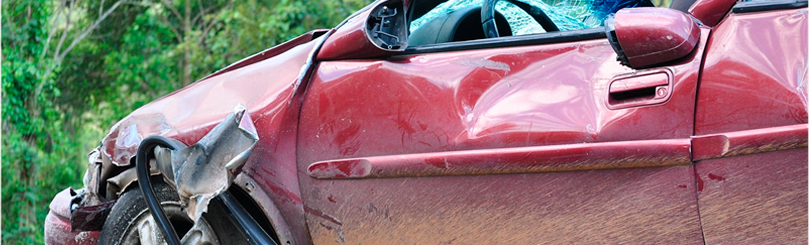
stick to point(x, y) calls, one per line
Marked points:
point(715, 177)
point(700, 184)
point(682, 186)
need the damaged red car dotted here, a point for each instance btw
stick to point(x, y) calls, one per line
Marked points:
point(474, 121)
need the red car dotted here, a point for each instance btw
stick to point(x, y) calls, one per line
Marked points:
point(466, 122)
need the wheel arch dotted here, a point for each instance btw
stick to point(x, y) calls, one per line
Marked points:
point(254, 198)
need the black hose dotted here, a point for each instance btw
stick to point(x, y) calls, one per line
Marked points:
point(246, 224)
point(142, 167)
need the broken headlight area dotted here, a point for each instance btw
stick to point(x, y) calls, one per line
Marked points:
point(199, 172)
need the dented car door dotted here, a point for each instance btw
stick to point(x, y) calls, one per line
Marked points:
point(499, 140)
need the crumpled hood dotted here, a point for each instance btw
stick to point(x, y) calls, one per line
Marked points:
point(263, 80)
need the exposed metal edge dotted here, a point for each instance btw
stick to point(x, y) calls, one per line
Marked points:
point(758, 6)
point(553, 158)
point(749, 142)
point(543, 38)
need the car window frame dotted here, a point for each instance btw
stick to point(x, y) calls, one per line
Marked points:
point(510, 41)
point(759, 6)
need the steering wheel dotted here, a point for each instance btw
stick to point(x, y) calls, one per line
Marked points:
point(487, 13)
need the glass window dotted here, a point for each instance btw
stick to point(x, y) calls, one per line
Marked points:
point(567, 15)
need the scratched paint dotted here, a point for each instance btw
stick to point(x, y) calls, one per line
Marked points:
point(610, 206)
point(749, 142)
point(754, 199)
point(457, 102)
point(752, 117)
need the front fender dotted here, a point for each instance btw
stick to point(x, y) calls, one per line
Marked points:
point(267, 85)
point(263, 83)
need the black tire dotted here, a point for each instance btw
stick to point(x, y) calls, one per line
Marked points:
point(131, 206)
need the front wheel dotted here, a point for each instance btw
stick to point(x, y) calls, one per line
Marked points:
point(130, 221)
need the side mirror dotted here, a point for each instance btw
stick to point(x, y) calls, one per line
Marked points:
point(386, 26)
point(644, 37)
point(380, 31)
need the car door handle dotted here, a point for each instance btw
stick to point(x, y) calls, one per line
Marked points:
point(640, 89)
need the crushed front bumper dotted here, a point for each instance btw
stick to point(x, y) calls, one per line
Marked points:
point(57, 224)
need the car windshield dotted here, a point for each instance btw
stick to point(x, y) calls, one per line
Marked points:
point(566, 14)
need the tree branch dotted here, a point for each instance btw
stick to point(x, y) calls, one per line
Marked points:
point(146, 87)
point(205, 31)
point(101, 7)
point(59, 54)
point(171, 28)
point(210, 26)
point(66, 30)
point(52, 29)
point(201, 13)
point(144, 4)
point(172, 9)
point(89, 29)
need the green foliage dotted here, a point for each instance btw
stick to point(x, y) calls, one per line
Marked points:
point(57, 106)
point(36, 151)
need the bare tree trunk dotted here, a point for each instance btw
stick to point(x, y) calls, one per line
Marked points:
point(187, 50)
